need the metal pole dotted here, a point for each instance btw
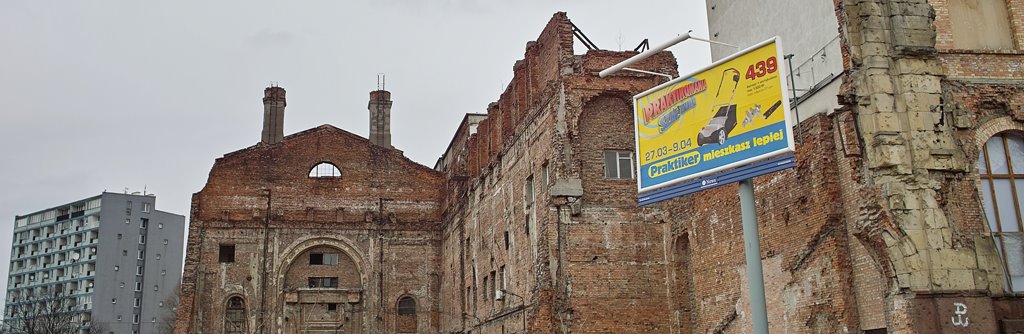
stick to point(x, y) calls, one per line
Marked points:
point(792, 90)
point(642, 55)
point(752, 249)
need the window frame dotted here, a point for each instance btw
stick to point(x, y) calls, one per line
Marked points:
point(988, 177)
point(620, 156)
point(324, 170)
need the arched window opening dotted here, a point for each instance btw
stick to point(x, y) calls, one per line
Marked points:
point(325, 169)
point(1001, 169)
point(406, 315)
point(234, 318)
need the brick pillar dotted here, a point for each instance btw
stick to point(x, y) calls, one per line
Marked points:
point(273, 115)
point(380, 118)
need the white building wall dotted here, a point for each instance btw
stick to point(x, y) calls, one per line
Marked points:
point(808, 30)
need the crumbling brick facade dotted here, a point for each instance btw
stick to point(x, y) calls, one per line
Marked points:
point(380, 217)
point(879, 227)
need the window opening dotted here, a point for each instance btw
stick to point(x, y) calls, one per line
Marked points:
point(618, 164)
point(324, 259)
point(406, 315)
point(234, 318)
point(227, 253)
point(1001, 170)
point(325, 169)
point(323, 282)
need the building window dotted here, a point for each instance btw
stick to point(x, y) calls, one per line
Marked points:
point(547, 174)
point(138, 286)
point(324, 259)
point(618, 164)
point(124, 252)
point(323, 282)
point(128, 208)
point(116, 268)
point(494, 282)
point(528, 192)
point(146, 207)
point(138, 302)
point(406, 315)
point(139, 270)
point(142, 255)
point(145, 223)
point(980, 25)
point(332, 306)
point(485, 290)
point(325, 169)
point(234, 318)
point(142, 239)
point(159, 225)
point(227, 253)
point(1002, 190)
point(506, 240)
point(501, 279)
point(119, 236)
point(135, 319)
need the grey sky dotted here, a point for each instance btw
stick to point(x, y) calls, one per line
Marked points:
point(113, 94)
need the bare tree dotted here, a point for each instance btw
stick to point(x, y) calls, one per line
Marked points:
point(170, 312)
point(44, 311)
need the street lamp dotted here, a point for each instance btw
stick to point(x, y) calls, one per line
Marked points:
point(661, 47)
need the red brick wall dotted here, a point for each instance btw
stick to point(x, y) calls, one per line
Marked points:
point(382, 215)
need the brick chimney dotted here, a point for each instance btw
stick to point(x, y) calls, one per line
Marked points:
point(380, 118)
point(273, 115)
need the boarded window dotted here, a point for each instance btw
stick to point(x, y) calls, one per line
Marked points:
point(406, 315)
point(980, 24)
point(234, 317)
point(1001, 169)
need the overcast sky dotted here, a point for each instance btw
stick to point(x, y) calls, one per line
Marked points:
point(109, 95)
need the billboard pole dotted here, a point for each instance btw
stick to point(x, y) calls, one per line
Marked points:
point(678, 155)
point(752, 250)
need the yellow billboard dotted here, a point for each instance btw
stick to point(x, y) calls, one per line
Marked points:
point(722, 117)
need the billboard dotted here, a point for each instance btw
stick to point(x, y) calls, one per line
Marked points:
point(726, 116)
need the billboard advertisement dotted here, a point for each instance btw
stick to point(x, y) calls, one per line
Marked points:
point(728, 115)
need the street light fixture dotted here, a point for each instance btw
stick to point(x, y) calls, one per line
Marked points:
point(661, 47)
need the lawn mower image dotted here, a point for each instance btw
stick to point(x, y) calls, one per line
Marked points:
point(724, 120)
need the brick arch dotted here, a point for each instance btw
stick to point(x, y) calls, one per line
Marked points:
point(994, 126)
point(406, 323)
point(981, 136)
point(588, 102)
point(605, 124)
point(291, 253)
point(243, 318)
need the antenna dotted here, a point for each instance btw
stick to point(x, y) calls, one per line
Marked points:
point(380, 80)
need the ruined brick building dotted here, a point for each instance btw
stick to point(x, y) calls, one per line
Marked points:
point(529, 222)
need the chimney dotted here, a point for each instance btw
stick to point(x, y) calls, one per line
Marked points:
point(273, 115)
point(380, 118)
